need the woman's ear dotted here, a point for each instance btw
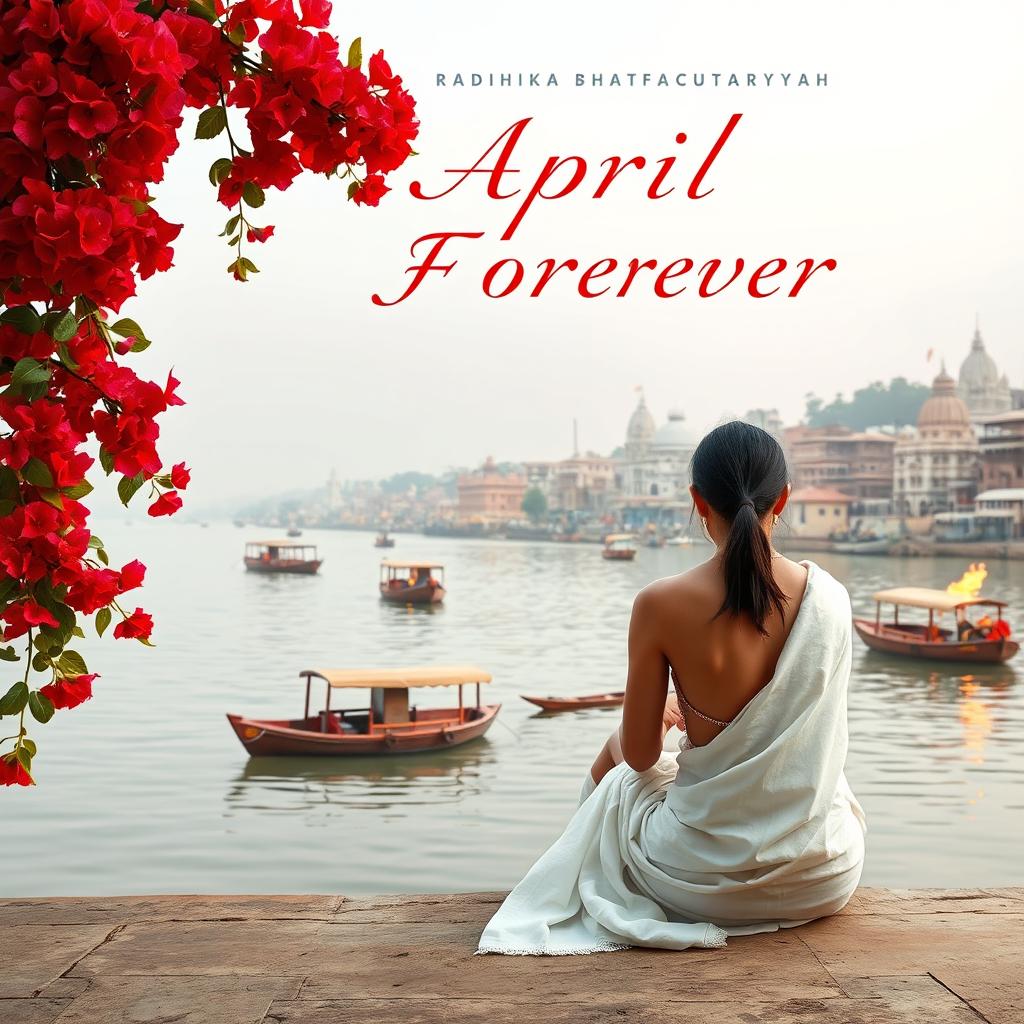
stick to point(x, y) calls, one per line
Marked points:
point(783, 498)
point(699, 503)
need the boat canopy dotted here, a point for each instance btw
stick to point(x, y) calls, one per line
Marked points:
point(278, 544)
point(615, 538)
point(387, 563)
point(924, 597)
point(399, 678)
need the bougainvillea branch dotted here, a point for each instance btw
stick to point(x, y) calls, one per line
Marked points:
point(91, 100)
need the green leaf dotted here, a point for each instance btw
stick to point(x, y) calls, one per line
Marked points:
point(14, 700)
point(253, 195)
point(353, 188)
point(127, 328)
point(202, 9)
point(355, 53)
point(219, 170)
point(79, 632)
point(80, 490)
point(65, 327)
point(28, 372)
point(36, 472)
point(71, 663)
point(95, 542)
point(41, 662)
point(8, 654)
point(8, 483)
point(29, 745)
point(102, 556)
point(127, 486)
point(102, 621)
point(7, 587)
point(24, 758)
point(54, 498)
point(7, 507)
point(64, 616)
point(41, 706)
point(248, 265)
point(211, 123)
point(106, 460)
point(24, 318)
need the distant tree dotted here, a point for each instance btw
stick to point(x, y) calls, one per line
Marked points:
point(535, 505)
point(400, 483)
point(895, 404)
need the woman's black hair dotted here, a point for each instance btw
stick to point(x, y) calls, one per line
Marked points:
point(740, 471)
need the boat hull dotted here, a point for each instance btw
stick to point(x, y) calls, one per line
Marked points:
point(862, 547)
point(887, 639)
point(288, 565)
point(420, 594)
point(596, 700)
point(275, 738)
point(618, 556)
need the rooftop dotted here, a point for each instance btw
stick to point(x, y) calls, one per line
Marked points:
point(820, 495)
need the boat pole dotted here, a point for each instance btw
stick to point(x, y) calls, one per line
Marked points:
point(309, 679)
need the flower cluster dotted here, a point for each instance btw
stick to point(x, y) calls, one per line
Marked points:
point(92, 95)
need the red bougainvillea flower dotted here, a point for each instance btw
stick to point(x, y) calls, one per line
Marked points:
point(137, 626)
point(69, 692)
point(371, 191)
point(22, 616)
point(166, 505)
point(131, 576)
point(259, 234)
point(180, 476)
point(12, 773)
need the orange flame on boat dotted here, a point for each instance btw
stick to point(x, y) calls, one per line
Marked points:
point(970, 583)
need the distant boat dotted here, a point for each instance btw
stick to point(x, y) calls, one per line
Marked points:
point(294, 531)
point(679, 542)
point(282, 556)
point(412, 582)
point(239, 522)
point(863, 546)
point(618, 547)
point(382, 540)
point(388, 726)
point(594, 700)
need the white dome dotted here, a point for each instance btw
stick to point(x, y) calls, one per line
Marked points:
point(979, 369)
point(673, 434)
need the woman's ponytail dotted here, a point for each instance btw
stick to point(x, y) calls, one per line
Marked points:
point(740, 471)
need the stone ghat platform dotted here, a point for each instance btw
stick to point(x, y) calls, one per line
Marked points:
point(921, 956)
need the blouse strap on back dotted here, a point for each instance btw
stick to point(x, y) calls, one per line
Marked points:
point(689, 707)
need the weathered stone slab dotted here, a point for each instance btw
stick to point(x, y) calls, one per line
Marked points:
point(32, 957)
point(181, 1000)
point(935, 901)
point(278, 948)
point(424, 961)
point(31, 1011)
point(475, 908)
point(119, 910)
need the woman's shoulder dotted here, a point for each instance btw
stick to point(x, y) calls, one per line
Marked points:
point(687, 593)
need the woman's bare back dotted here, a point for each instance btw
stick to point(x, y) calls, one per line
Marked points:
point(720, 663)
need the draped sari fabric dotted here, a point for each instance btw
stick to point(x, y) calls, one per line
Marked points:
point(754, 831)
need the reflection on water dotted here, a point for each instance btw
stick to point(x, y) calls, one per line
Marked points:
point(153, 793)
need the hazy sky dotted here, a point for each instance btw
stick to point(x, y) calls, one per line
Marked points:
point(906, 169)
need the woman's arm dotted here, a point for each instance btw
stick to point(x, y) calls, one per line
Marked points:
point(644, 712)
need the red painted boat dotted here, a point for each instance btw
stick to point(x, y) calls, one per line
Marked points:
point(619, 547)
point(593, 700)
point(412, 582)
point(390, 725)
point(282, 556)
point(982, 640)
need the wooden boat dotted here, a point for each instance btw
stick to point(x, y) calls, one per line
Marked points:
point(412, 582)
point(389, 725)
point(862, 546)
point(618, 547)
point(382, 540)
point(282, 556)
point(593, 700)
point(983, 640)
point(679, 542)
point(294, 531)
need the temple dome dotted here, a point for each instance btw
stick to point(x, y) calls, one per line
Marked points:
point(641, 425)
point(674, 433)
point(944, 408)
point(978, 370)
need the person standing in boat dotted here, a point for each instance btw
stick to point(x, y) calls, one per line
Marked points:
point(752, 827)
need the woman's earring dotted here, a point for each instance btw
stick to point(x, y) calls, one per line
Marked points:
point(704, 526)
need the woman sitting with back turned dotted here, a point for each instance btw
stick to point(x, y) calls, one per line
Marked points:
point(753, 827)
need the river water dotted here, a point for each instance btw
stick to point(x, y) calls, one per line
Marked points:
point(146, 789)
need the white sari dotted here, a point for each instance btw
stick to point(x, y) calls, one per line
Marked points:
point(754, 831)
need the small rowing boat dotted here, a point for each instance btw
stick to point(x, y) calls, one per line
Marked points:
point(412, 582)
point(619, 547)
point(593, 700)
point(282, 556)
point(389, 725)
